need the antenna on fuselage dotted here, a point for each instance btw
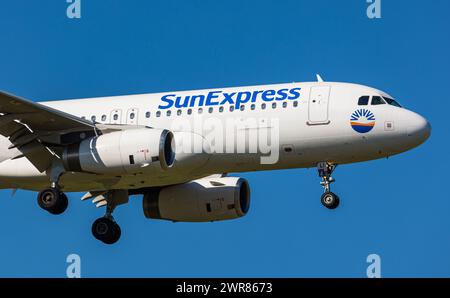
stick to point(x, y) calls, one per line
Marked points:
point(319, 78)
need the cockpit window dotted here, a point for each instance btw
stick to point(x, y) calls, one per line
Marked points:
point(392, 102)
point(377, 100)
point(363, 100)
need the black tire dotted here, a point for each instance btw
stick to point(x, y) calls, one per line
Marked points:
point(106, 230)
point(61, 206)
point(330, 200)
point(48, 198)
point(118, 232)
point(53, 201)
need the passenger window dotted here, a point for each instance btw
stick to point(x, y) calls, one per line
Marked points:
point(132, 116)
point(200, 110)
point(242, 107)
point(252, 107)
point(231, 108)
point(103, 117)
point(377, 100)
point(263, 106)
point(83, 117)
point(295, 104)
point(274, 105)
point(189, 111)
point(168, 113)
point(116, 117)
point(210, 110)
point(363, 100)
point(93, 118)
point(179, 112)
point(285, 104)
point(220, 109)
point(158, 113)
point(147, 115)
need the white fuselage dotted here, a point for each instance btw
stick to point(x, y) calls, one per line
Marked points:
point(310, 122)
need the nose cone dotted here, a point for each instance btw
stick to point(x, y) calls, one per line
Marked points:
point(418, 129)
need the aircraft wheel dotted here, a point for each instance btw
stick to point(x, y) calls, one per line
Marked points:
point(53, 201)
point(330, 200)
point(106, 230)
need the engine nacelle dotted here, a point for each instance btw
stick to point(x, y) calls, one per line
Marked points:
point(202, 200)
point(122, 152)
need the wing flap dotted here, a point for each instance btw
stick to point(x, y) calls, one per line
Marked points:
point(39, 155)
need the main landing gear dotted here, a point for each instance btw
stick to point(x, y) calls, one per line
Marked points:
point(105, 228)
point(52, 199)
point(328, 199)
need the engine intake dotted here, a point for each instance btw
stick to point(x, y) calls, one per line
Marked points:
point(202, 200)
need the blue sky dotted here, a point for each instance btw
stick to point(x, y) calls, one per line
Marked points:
point(397, 208)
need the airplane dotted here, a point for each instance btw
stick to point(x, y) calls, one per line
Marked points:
point(176, 149)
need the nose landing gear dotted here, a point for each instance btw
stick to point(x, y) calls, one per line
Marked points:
point(329, 199)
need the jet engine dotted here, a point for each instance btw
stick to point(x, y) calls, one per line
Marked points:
point(122, 152)
point(202, 200)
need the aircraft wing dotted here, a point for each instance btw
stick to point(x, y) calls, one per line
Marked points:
point(34, 128)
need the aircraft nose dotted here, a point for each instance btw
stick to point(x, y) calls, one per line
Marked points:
point(418, 129)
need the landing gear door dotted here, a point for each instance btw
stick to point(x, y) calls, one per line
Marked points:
point(318, 105)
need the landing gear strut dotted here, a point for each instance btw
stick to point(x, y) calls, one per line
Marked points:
point(329, 199)
point(105, 228)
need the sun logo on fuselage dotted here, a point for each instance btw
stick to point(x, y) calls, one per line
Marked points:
point(362, 120)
